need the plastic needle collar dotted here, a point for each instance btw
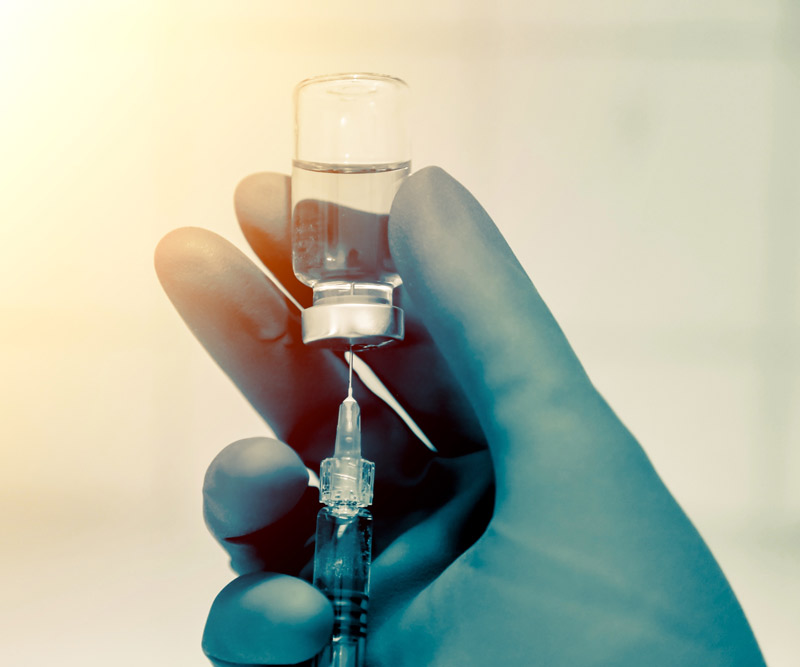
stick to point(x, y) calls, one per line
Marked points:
point(346, 479)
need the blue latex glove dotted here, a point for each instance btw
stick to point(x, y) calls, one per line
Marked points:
point(540, 534)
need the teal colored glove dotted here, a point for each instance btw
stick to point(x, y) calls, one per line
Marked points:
point(539, 535)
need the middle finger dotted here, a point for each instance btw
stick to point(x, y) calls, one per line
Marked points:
point(247, 326)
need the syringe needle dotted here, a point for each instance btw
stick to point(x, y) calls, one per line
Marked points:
point(350, 378)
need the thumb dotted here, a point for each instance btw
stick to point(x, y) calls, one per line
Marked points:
point(502, 343)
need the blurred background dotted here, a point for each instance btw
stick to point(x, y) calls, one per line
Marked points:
point(641, 157)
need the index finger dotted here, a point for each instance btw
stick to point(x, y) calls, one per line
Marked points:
point(544, 420)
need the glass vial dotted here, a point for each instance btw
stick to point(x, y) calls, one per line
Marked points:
point(352, 151)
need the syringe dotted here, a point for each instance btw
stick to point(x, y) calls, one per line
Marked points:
point(343, 551)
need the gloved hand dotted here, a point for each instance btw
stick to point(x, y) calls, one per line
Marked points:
point(538, 535)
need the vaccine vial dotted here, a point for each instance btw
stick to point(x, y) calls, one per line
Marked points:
point(352, 151)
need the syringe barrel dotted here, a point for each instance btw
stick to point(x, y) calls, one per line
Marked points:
point(342, 558)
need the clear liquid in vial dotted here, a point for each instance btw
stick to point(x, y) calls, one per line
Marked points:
point(340, 216)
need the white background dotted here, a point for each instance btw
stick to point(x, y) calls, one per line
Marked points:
point(642, 158)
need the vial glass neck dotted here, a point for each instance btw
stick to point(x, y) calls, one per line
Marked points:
point(333, 292)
